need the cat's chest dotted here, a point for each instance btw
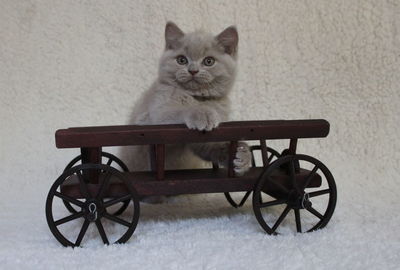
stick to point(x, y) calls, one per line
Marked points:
point(183, 99)
point(189, 100)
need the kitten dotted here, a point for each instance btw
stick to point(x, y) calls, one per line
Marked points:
point(196, 73)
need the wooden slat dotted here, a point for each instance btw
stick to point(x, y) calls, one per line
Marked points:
point(167, 134)
point(293, 146)
point(188, 182)
point(264, 152)
point(91, 155)
point(160, 161)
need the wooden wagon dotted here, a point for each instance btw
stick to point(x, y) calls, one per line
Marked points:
point(97, 187)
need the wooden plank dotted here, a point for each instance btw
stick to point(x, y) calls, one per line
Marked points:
point(264, 152)
point(292, 146)
point(91, 155)
point(187, 182)
point(152, 157)
point(160, 161)
point(167, 134)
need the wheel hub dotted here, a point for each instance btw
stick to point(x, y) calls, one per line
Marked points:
point(299, 200)
point(305, 201)
point(92, 210)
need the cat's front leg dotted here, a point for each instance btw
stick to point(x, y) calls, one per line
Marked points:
point(218, 153)
point(201, 118)
point(243, 158)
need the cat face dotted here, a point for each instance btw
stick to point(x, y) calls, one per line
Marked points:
point(200, 63)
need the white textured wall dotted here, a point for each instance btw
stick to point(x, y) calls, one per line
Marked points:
point(74, 63)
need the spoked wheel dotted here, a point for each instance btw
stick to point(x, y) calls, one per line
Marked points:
point(110, 160)
point(272, 155)
point(94, 202)
point(307, 194)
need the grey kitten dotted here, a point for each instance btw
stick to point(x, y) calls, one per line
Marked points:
point(196, 73)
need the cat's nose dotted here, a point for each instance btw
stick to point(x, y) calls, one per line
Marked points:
point(193, 72)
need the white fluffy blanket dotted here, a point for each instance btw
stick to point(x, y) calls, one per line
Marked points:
point(74, 63)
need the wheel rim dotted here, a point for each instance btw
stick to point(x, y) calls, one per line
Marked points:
point(111, 159)
point(311, 206)
point(273, 155)
point(93, 208)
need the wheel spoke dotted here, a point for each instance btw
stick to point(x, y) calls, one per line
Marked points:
point(124, 205)
point(69, 199)
point(69, 218)
point(244, 198)
point(117, 200)
point(319, 193)
point(281, 218)
point(104, 185)
point(315, 212)
point(82, 185)
point(270, 158)
point(82, 232)
point(109, 161)
point(272, 203)
point(310, 176)
point(117, 220)
point(298, 220)
point(230, 200)
point(102, 232)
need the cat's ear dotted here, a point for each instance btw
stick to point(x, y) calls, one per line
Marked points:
point(229, 39)
point(172, 36)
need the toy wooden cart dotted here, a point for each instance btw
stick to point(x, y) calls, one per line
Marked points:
point(97, 187)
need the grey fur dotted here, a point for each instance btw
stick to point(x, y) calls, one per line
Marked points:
point(200, 101)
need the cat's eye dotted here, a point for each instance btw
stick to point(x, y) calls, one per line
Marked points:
point(181, 60)
point(209, 61)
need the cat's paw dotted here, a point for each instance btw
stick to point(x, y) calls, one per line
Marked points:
point(242, 162)
point(202, 119)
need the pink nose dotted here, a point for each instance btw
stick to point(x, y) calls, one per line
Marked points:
point(193, 72)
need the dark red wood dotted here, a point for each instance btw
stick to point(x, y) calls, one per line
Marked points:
point(292, 146)
point(166, 134)
point(91, 155)
point(189, 182)
point(152, 156)
point(232, 153)
point(264, 152)
point(160, 161)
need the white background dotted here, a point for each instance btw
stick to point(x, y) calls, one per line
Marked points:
point(80, 63)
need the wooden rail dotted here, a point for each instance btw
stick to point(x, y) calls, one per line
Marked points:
point(92, 137)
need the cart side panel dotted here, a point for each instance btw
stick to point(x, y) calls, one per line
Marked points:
point(168, 134)
point(191, 182)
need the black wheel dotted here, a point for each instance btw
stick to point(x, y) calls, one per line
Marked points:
point(272, 155)
point(94, 202)
point(282, 191)
point(110, 159)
